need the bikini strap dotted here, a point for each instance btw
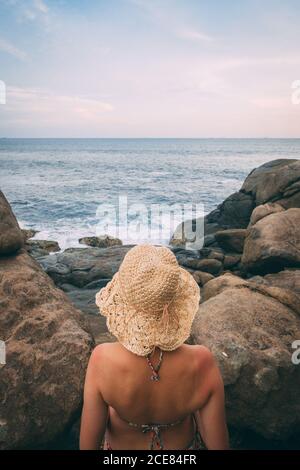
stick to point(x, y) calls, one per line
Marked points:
point(155, 429)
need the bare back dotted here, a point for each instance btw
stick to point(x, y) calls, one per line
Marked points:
point(188, 376)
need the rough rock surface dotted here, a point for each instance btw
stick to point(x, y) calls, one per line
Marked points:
point(274, 181)
point(103, 241)
point(11, 237)
point(263, 210)
point(47, 350)
point(28, 233)
point(250, 329)
point(287, 279)
point(202, 278)
point(273, 243)
point(38, 248)
point(217, 285)
point(231, 260)
point(234, 212)
point(231, 240)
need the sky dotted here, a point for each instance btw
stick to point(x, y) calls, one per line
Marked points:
point(149, 68)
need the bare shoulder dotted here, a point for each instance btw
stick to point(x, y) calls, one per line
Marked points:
point(202, 355)
point(101, 354)
point(205, 363)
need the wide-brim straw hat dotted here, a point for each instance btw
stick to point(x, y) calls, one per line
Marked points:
point(150, 302)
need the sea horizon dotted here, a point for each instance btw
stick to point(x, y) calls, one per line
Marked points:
point(56, 185)
point(149, 138)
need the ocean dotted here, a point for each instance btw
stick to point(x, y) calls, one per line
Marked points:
point(70, 188)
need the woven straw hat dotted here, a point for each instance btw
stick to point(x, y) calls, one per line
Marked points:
point(150, 302)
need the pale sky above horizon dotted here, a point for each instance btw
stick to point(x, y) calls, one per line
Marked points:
point(149, 68)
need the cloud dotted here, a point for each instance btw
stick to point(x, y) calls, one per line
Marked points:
point(9, 48)
point(47, 100)
point(193, 35)
point(160, 14)
point(29, 10)
point(40, 6)
point(38, 108)
point(271, 102)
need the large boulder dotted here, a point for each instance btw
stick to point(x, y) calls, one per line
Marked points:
point(277, 180)
point(250, 329)
point(47, 351)
point(273, 243)
point(11, 236)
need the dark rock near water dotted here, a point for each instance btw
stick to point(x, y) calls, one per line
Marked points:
point(103, 241)
point(231, 260)
point(28, 233)
point(38, 248)
point(275, 181)
point(234, 212)
point(212, 253)
point(11, 237)
point(231, 240)
point(212, 266)
point(81, 266)
point(201, 277)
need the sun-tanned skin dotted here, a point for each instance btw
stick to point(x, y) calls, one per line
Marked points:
point(118, 384)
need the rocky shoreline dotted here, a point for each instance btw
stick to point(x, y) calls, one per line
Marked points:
point(249, 274)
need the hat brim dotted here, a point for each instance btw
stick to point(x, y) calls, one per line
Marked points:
point(140, 332)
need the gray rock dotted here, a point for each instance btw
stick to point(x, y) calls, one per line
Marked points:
point(212, 266)
point(81, 266)
point(11, 237)
point(231, 260)
point(28, 233)
point(231, 240)
point(103, 241)
point(234, 212)
point(38, 248)
point(202, 278)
